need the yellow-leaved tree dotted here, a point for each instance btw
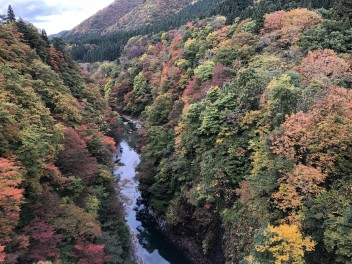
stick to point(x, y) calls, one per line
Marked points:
point(283, 244)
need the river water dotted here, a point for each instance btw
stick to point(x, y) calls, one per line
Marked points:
point(151, 246)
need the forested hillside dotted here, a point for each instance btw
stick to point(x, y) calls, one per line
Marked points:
point(246, 150)
point(152, 17)
point(57, 197)
point(123, 15)
point(246, 143)
point(99, 38)
point(105, 18)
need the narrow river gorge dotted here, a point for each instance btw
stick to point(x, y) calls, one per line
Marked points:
point(151, 247)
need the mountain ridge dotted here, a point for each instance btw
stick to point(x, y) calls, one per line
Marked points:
point(104, 17)
point(148, 13)
point(127, 15)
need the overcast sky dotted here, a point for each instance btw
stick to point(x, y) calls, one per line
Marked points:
point(54, 15)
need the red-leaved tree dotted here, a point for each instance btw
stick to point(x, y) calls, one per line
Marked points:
point(75, 159)
point(43, 241)
point(88, 253)
point(323, 64)
point(2, 254)
point(11, 197)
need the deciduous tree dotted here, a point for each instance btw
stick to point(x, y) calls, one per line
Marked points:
point(88, 253)
point(285, 244)
point(2, 254)
point(322, 65)
point(75, 159)
point(11, 197)
point(43, 241)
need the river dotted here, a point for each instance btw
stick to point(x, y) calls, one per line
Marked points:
point(151, 247)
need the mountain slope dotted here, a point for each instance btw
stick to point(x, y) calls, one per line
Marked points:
point(105, 17)
point(143, 20)
point(55, 157)
point(127, 15)
point(148, 13)
point(247, 133)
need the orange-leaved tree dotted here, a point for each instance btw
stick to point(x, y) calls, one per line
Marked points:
point(11, 197)
point(324, 65)
point(288, 26)
point(320, 137)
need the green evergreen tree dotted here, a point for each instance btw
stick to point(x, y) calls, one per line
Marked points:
point(45, 37)
point(343, 10)
point(10, 15)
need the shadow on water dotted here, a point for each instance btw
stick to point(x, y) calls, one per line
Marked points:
point(152, 239)
point(151, 245)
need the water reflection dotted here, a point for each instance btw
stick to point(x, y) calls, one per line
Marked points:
point(151, 245)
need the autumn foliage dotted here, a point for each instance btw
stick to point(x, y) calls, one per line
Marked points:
point(43, 241)
point(303, 184)
point(245, 146)
point(56, 59)
point(75, 158)
point(110, 142)
point(88, 253)
point(301, 19)
point(285, 243)
point(11, 197)
point(289, 26)
point(322, 65)
point(243, 128)
point(318, 137)
point(48, 168)
point(2, 254)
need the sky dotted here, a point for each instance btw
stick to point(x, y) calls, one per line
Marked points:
point(54, 15)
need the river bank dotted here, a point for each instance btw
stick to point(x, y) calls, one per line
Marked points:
point(150, 244)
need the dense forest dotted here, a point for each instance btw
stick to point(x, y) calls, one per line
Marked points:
point(246, 150)
point(128, 15)
point(89, 45)
point(57, 134)
point(92, 47)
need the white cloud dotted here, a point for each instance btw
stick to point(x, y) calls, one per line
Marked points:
point(54, 15)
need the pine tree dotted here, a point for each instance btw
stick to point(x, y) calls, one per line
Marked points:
point(10, 15)
point(343, 10)
point(45, 37)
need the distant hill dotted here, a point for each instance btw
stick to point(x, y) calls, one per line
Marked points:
point(103, 36)
point(58, 35)
point(127, 15)
point(105, 18)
